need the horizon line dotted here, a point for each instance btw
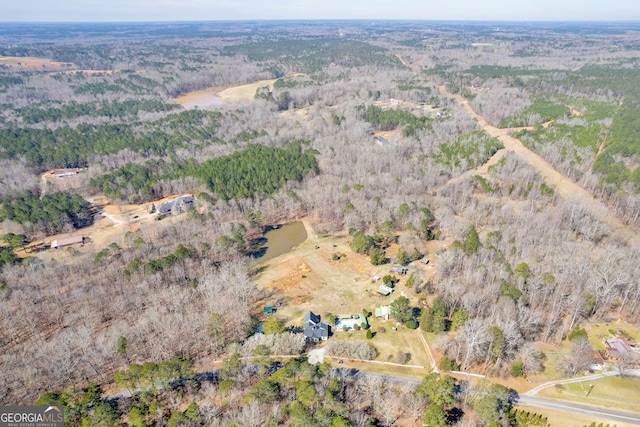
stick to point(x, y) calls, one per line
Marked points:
point(189, 21)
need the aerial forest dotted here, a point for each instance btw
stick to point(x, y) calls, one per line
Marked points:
point(501, 168)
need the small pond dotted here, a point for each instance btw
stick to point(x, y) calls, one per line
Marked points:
point(281, 240)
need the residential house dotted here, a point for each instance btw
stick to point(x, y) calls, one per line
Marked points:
point(314, 329)
point(384, 290)
point(618, 349)
point(176, 206)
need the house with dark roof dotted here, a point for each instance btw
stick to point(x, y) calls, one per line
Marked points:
point(176, 206)
point(314, 329)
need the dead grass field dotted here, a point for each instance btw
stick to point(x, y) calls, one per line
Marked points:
point(216, 96)
point(53, 183)
point(244, 92)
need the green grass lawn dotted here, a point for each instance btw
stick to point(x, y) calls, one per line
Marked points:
point(616, 392)
point(600, 332)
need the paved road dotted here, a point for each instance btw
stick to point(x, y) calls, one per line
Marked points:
point(573, 408)
point(534, 391)
point(535, 402)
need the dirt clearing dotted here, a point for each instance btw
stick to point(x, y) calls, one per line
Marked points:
point(32, 62)
point(215, 96)
point(201, 98)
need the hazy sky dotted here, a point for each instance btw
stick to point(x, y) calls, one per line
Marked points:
point(206, 10)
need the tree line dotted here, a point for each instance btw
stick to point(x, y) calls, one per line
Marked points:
point(254, 171)
point(54, 212)
point(76, 147)
point(314, 55)
point(50, 112)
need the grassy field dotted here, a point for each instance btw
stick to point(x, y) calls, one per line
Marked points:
point(552, 353)
point(615, 393)
point(244, 92)
point(600, 332)
point(563, 419)
point(390, 343)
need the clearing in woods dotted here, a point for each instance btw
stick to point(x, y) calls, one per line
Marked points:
point(31, 62)
point(308, 279)
point(217, 96)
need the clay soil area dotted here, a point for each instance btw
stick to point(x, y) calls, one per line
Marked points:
point(200, 98)
point(30, 62)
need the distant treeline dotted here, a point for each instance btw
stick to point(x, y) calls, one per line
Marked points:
point(75, 147)
point(316, 54)
point(54, 112)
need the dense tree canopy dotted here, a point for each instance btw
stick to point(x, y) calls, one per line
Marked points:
point(53, 211)
point(254, 171)
point(68, 146)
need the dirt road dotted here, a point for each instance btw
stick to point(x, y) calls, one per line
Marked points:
point(564, 186)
